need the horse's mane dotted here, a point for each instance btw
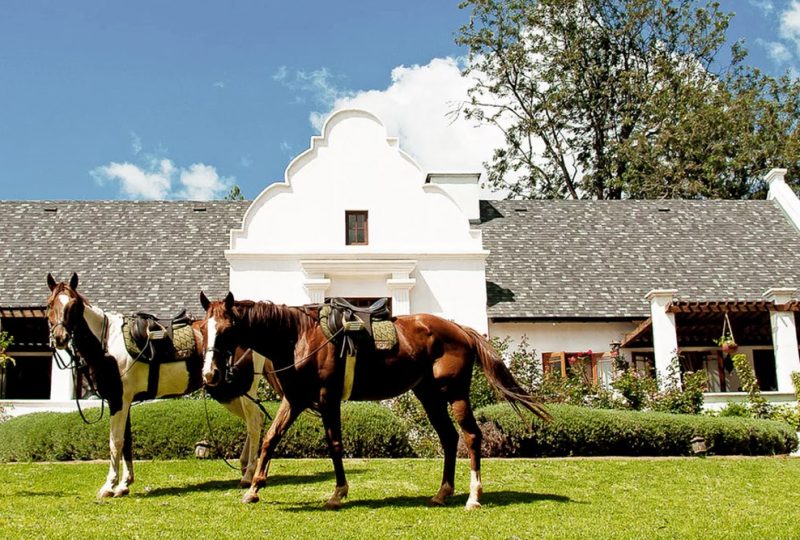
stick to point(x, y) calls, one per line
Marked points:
point(279, 316)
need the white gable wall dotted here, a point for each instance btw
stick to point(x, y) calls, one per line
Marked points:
point(422, 252)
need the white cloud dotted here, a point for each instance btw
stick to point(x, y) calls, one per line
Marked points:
point(218, 84)
point(136, 143)
point(790, 23)
point(417, 107)
point(155, 180)
point(202, 183)
point(777, 51)
point(138, 183)
point(319, 85)
point(766, 6)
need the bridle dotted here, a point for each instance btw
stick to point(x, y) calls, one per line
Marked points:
point(77, 363)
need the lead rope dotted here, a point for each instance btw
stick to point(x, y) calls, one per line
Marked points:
point(77, 366)
point(211, 433)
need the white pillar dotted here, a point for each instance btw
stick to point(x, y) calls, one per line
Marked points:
point(399, 286)
point(780, 192)
point(316, 287)
point(784, 338)
point(62, 385)
point(665, 336)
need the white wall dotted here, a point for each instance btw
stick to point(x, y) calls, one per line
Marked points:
point(563, 336)
point(422, 252)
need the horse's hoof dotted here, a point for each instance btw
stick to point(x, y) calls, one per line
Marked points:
point(250, 498)
point(472, 505)
point(105, 493)
point(333, 505)
point(121, 492)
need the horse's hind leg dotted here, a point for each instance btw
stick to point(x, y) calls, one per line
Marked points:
point(332, 420)
point(284, 417)
point(472, 439)
point(436, 408)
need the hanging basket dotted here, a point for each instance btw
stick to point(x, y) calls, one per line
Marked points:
point(726, 341)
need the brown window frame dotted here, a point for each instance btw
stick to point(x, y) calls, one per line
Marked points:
point(560, 361)
point(347, 229)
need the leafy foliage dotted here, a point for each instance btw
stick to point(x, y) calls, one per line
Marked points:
point(616, 98)
point(580, 431)
point(235, 194)
point(169, 429)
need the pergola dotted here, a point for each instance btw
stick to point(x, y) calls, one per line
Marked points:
point(698, 324)
point(677, 324)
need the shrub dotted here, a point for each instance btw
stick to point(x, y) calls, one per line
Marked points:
point(577, 431)
point(169, 430)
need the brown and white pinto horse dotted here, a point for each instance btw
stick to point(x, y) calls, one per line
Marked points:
point(434, 358)
point(118, 377)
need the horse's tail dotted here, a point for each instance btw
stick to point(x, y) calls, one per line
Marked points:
point(501, 379)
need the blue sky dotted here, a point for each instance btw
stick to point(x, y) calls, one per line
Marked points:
point(116, 100)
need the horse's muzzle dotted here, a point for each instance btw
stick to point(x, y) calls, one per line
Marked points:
point(212, 378)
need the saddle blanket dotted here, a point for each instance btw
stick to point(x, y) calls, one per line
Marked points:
point(182, 340)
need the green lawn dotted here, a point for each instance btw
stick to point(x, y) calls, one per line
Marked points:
point(524, 498)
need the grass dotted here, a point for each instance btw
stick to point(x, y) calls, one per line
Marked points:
point(551, 498)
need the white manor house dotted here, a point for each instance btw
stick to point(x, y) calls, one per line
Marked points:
point(356, 217)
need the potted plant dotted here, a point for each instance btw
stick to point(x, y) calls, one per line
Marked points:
point(727, 344)
point(726, 341)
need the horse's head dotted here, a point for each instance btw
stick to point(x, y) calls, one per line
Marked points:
point(220, 337)
point(64, 309)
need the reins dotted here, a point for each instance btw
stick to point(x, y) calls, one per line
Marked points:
point(78, 365)
point(308, 356)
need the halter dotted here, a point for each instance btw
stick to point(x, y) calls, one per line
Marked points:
point(77, 364)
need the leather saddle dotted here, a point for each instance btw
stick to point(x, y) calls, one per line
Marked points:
point(356, 319)
point(154, 336)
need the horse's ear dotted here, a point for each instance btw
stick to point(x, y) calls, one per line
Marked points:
point(229, 301)
point(204, 301)
point(51, 282)
point(73, 282)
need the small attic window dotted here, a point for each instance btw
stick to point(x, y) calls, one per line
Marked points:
point(520, 209)
point(199, 209)
point(356, 231)
point(662, 209)
point(50, 209)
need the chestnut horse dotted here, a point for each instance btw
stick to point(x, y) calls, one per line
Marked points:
point(118, 377)
point(433, 357)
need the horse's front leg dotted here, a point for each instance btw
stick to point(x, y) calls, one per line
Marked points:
point(123, 488)
point(286, 415)
point(332, 421)
point(116, 443)
point(254, 419)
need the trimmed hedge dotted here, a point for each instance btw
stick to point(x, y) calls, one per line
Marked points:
point(577, 431)
point(169, 430)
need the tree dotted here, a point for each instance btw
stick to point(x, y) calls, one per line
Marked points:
point(617, 98)
point(235, 194)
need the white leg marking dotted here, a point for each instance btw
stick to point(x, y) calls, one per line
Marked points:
point(475, 490)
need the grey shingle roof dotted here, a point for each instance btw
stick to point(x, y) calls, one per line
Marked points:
point(129, 255)
point(549, 259)
point(591, 259)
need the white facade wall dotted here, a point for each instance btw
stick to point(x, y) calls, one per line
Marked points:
point(421, 250)
point(563, 336)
